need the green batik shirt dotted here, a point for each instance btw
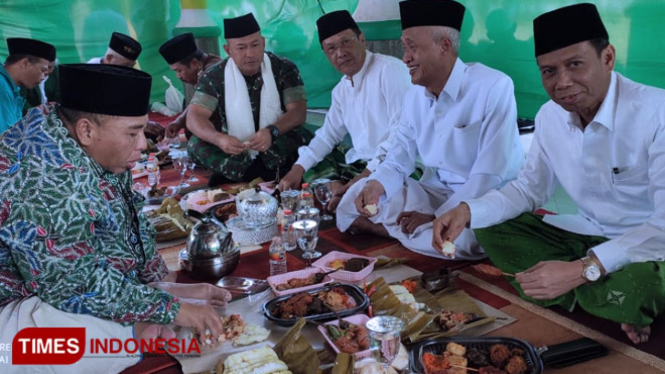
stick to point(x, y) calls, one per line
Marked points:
point(209, 91)
point(69, 232)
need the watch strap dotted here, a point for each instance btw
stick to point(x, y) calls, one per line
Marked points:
point(588, 262)
point(274, 131)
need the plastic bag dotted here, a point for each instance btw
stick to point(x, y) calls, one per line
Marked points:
point(173, 97)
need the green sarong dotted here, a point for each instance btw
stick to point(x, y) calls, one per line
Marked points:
point(280, 157)
point(634, 295)
point(335, 168)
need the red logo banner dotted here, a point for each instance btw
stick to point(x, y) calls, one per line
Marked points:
point(48, 346)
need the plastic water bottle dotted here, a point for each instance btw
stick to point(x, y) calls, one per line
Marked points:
point(289, 240)
point(277, 256)
point(153, 170)
point(306, 197)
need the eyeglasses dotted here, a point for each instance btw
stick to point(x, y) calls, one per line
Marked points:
point(332, 48)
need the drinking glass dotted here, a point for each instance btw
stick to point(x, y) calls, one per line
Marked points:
point(181, 164)
point(307, 232)
point(384, 338)
point(323, 194)
point(192, 165)
point(308, 213)
point(290, 199)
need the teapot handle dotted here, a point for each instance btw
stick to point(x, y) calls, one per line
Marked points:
point(197, 215)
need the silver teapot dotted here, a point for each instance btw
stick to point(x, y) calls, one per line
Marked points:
point(208, 239)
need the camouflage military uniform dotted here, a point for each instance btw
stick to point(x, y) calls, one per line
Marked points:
point(210, 95)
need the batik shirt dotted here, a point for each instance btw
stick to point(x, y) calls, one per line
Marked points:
point(210, 89)
point(69, 231)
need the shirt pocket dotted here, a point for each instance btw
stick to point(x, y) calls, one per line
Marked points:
point(630, 176)
point(630, 182)
point(467, 128)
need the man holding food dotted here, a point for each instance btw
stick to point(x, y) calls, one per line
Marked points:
point(188, 62)
point(75, 249)
point(459, 118)
point(602, 138)
point(366, 104)
point(247, 111)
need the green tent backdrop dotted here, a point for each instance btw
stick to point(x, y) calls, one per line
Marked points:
point(497, 33)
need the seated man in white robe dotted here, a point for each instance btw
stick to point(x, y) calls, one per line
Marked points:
point(366, 104)
point(460, 119)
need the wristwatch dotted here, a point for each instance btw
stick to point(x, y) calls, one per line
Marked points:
point(591, 271)
point(274, 132)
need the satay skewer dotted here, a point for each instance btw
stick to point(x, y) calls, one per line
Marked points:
point(491, 271)
point(463, 367)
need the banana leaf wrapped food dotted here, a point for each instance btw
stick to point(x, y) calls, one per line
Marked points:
point(423, 320)
point(169, 221)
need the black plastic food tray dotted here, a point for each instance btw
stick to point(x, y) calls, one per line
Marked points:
point(438, 346)
point(362, 301)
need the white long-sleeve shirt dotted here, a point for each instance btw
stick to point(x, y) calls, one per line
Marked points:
point(614, 170)
point(467, 137)
point(367, 106)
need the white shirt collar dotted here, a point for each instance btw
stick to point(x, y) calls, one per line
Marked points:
point(354, 80)
point(454, 83)
point(606, 112)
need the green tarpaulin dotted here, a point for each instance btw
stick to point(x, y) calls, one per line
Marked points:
point(495, 32)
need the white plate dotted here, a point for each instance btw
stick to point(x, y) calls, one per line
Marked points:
point(193, 197)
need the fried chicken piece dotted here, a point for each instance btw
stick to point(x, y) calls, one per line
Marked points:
point(346, 344)
point(301, 303)
point(516, 365)
point(457, 361)
point(455, 349)
point(517, 352)
point(499, 354)
point(477, 357)
point(295, 306)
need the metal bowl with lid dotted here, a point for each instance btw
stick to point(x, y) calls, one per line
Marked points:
point(211, 269)
point(256, 208)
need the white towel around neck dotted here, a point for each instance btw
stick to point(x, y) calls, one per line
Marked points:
point(239, 115)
